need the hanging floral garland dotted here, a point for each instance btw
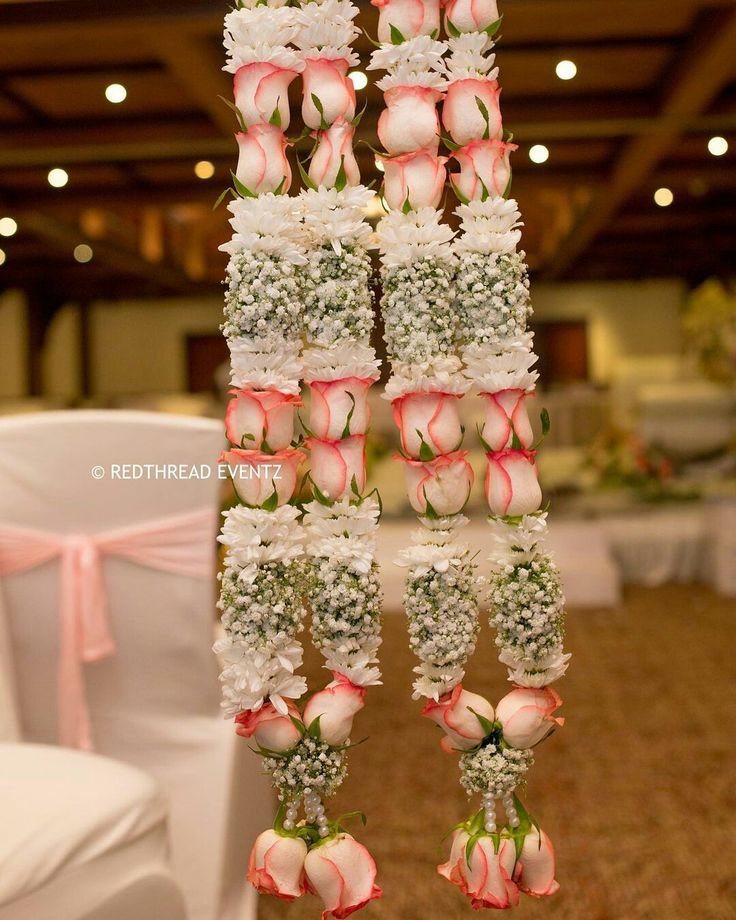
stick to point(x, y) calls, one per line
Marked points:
point(299, 273)
point(446, 299)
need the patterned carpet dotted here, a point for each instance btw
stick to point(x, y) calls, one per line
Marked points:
point(637, 790)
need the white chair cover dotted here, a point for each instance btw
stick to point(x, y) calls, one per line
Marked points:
point(155, 702)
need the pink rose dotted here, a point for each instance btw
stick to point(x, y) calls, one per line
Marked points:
point(336, 706)
point(512, 487)
point(262, 163)
point(506, 413)
point(271, 730)
point(462, 114)
point(334, 149)
point(485, 169)
point(276, 865)
point(256, 475)
point(471, 15)
point(334, 401)
point(537, 862)
point(255, 416)
point(410, 120)
point(455, 713)
point(328, 80)
point(526, 715)
point(260, 89)
point(410, 17)
point(444, 483)
point(336, 462)
point(486, 877)
point(429, 418)
point(342, 872)
point(417, 177)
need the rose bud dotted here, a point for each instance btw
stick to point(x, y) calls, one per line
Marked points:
point(462, 113)
point(337, 465)
point(256, 476)
point(334, 149)
point(417, 177)
point(276, 865)
point(262, 163)
point(512, 486)
point(455, 713)
point(410, 17)
point(526, 715)
point(335, 706)
point(255, 416)
point(339, 404)
point(260, 89)
point(506, 413)
point(485, 169)
point(271, 730)
point(410, 120)
point(328, 81)
point(486, 877)
point(431, 419)
point(444, 483)
point(537, 862)
point(342, 872)
point(471, 15)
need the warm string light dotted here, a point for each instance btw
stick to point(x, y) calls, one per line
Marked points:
point(2, 257)
point(717, 146)
point(58, 177)
point(116, 93)
point(538, 153)
point(8, 227)
point(566, 70)
point(204, 169)
point(83, 253)
point(359, 79)
point(663, 197)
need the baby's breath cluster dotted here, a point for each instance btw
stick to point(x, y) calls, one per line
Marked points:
point(338, 302)
point(494, 769)
point(263, 297)
point(311, 766)
point(265, 606)
point(492, 296)
point(346, 605)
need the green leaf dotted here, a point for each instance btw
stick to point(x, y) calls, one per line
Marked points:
point(406, 207)
point(247, 436)
point(280, 187)
point(546, 423)
point(298, 723)
point(318, 105)
point(320, 496)
point(425, 451)
point(494, 26)
point(238, 114)
point(275, 118)
point(430, 512)
point(450, 143)
point(484, 112)
point(346, 429)
point(305, 176)
point(470, 846)
point(485, 723)
point(341, 180)
point(460, 197)
point(452, 29)
point(354, 486)
point(272, 502)
point(313, 729)
point(241, 189)
point(359, 117)
point(396, 37)
point(221, 197)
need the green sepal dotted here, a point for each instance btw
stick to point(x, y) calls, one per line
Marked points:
point(488, 727)
point(320, 108)
point(249, 436)
point(484, 112)
point(272, 502)
point(430, 512)
point(313, 729)
point(354, 486)
point(238, 114)
point(494, 26)
point(346, 429)
point(275, 118)
point(507, 190)
point(450, 143)
point(425, 451)
point(320, 496)
point(458, 194)
point(241, 189)
point(485, 194)
point(486, 446)
point(359, 117)
point(298, 724)
point(279, 190)
point(305, 176)
point(221, 197)
point(406, 207)
point(452, 29)
point(546, 423)
point(396, 37)
point(341, 180)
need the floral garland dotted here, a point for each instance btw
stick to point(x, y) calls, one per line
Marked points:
point(455, 313)
point(298, 304)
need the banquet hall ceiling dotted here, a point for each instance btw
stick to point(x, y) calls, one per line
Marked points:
point(655, 80)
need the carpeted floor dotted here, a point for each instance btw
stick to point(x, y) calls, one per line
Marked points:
point(638, 790)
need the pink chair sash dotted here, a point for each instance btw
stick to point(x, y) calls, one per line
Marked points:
point(176, 544)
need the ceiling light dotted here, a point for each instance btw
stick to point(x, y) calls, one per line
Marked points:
point(2, 257)
point(360, 80)
point(718, 146)
point(566, 70)
point(8, 226)
point(83, 253)
point(663, 197)
point(538, 153)
point(379, 165)
point(116, 93)
point(58, 178)
point(204, 169)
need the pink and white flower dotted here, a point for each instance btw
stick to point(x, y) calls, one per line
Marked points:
point(444, 483)
point(428, 418)
point(334, 149)
point(336, 464)
point(486, 878)
point(485, 169)
point(410, 17)
point(410, 120)
point(343, 873)
point(333, 402)
point(262, 163)
point(417, 177)
point(471, 15)
point(276, 865)
point(257, 475)
point(537, 863)
point(455, 713)
point(506, 413)
point(512, 484)
point(526, 715)
point(261, 89)
point(255, 416)
point(327, 79)
point(461, 111)
point(335, 706)
point(272, 730)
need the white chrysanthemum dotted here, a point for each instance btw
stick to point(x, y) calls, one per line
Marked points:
point(492, 225)
point(405, 238)
point(337, 218)
point(349, 359)
point(252, 677)
point(434, 682)
point(270, 363)
point(416, 55)
point(407, 75)
point(327, 30)
point(422, 558)
point(440, 375)
point(358, 667)
point(492, 370)
point(273, 4)
point(445, 524)
point(517, 542)
point(269, 223)
point(278, 55)
point(261, 27)
point(254, 536)
point(468, 57)
point(341, 518)
point(525, 672)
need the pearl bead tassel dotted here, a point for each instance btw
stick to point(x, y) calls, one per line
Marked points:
point(511, 813)
point(489, 807)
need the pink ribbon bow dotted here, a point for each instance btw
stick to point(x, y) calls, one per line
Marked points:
point(176, 544)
